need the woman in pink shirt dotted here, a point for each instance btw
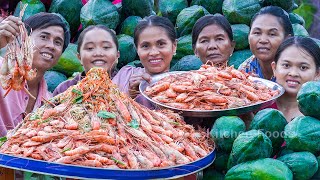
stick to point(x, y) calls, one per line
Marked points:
point(94, 52)
point(155, 40)
point(50, 36)
point(297, 61)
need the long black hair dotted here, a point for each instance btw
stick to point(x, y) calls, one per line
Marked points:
point(281, 16)
point(305, 43)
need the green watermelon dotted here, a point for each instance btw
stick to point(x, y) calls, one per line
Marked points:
point(188, 17)
point(127, 50)
point(240, 35)
point(187, 63)
point(70, 10)
point(99, 12)
point(308, 99)
point(68, 62)
point(302, 134)
point(240, 12)
point(261, 169)
point(53, 79)
point(128, 25)
point(238, 57)
point(213, 6)
point(302, 164)
point(171, 8)
point(33, 7)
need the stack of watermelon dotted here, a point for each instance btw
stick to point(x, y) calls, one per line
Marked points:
point(270, 148)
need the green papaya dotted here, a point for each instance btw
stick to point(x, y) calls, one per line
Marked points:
point(302, 134)
point(187, 63)
point(53, 79)
point(184, 47)
point(261, 169)
point(240, 12)
point(271, 122)
point(142, 8)
point(308, 98)
point(299, 30)
point(238, 57)
point(248, 146)
point(70, 10)
point(240, 35)
point(225, 130)
point(171, 8)
point(213, 6)
point(188, 17)
point(302, 164)
point(68, 62)
point(128, 25)
point(296, 19)
point(99, 12)
point(127, 50)
point(33, 7)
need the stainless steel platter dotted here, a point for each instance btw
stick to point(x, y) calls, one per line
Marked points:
point(214, 113)
point(84, 172)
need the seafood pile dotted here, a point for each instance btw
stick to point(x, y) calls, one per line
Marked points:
point(94, 124)
point(17, 64)
point(209, 88)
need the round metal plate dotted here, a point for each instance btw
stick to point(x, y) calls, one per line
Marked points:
point(214, 113)
point(84, 172)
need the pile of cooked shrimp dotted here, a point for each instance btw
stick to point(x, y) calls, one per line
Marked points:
point(17, 64)
point(94, 124)
point(209, 88)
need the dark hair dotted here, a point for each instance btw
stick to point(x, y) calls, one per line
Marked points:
point(207, 20)
point(306, 43)
point(153, 20)
point(102, 27)
point(280, 14)
point(43, 20)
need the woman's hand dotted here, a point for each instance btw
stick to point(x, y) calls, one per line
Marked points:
point(9, 29)
point(134, 82)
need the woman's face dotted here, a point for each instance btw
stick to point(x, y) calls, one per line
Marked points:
point(155, 49)
point(48, 45)
point(98, 50)
point(213, 44)
point(294, 67)
point(266, 35)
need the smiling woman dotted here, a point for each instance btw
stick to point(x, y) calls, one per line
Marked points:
point(269, 27)
point(155, 40)
point(94, 52)
point(297, 61)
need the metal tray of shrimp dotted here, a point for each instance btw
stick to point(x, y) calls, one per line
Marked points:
point(84, 172)
point(218, 112)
